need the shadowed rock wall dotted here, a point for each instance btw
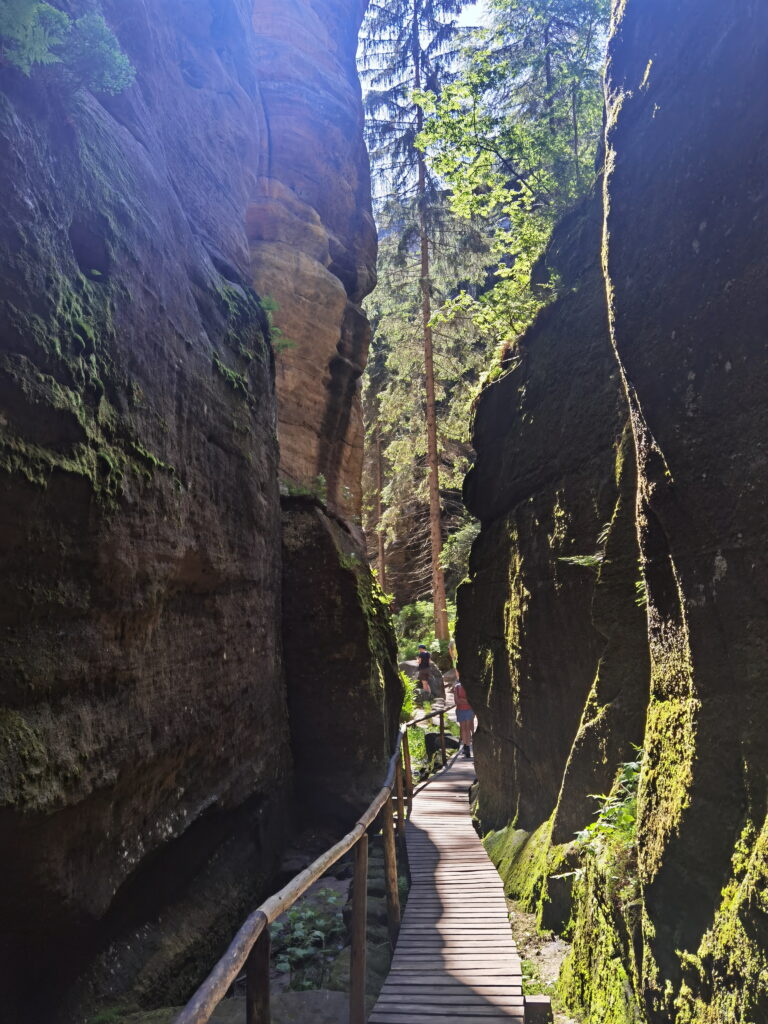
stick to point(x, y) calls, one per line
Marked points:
point(686, 273)
point(566, 674)
point(141, 677)
point(341, 663)
point(550, 487)
point(146, 778)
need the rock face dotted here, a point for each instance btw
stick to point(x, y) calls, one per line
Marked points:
point(691, 342)
point(553, 487)
point(146, 773)
point(140, 634)
point(675, 931)
point(340, 662)
point(313, 240)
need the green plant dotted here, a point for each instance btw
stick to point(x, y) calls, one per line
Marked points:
point(307, 939)
point(112, 1015)
point(414, 624)
point(317, 487)
point(237, 381)
point(408, 707)
point(92, 55)
point(280, 343)
point(30, 31)
point(533, 983)
point(586, 561)
point(33, 33)
point(611, 839)
point(617, 816)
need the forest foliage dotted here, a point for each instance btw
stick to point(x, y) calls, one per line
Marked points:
point(84, 49)
point(508, 118)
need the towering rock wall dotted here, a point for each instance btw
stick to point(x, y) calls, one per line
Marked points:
point(686, 277)
point(551, 641)
point(313, 240)
point(677, 931)
point(142, 688)
point(146, 779)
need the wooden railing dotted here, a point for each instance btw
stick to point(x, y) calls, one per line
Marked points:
point(250, 948)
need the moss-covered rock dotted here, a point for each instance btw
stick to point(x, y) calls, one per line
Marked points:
point(344, 690)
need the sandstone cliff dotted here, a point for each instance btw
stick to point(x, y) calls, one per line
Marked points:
point(313, 240)
point(563, 652)
point(146, 774)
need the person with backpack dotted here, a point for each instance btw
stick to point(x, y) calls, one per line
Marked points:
point(465, 716)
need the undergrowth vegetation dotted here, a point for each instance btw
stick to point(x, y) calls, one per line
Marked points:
point(414, 624)
point(611, 839)
point(307, 939)
point(83, 50)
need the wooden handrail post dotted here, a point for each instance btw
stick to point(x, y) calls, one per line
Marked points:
point(359, 922)
point(400, 802)
point(390, 874)
point(408, 772)
point(257, 981)
point(442, 738)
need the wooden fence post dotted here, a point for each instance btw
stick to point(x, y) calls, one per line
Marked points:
point(400, 803)
point(390, 873)
point(257, 981)
point(408, 772)
point(442, 738)
point(359, 921)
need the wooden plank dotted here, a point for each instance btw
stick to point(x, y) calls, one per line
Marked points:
point(387, 1017)
point(454, 1012)
point(437, 998)
point(443, 982)
point(455, 958)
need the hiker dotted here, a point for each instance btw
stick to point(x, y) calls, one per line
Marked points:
point(465, 716)
point(425, 668)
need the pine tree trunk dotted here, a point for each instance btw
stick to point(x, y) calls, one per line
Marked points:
point(575, 122)
point(433, 461)
point(379, 529)
point(549, 100)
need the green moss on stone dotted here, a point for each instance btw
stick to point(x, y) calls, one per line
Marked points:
point(25, 765)
point(727, 978)
point(597, 979)
point(526, 861)
point(669, 745)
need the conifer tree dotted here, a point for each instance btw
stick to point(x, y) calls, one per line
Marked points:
point(406, 46)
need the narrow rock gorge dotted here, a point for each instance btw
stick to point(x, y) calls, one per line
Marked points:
point(196, 661)
point(154, 734)
point(617, 590)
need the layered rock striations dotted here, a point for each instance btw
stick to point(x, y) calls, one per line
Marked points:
point(686, 276)
point(313, 240)
point(146, 772)
point(141, 673)
point(550, 638)
point(669, 926)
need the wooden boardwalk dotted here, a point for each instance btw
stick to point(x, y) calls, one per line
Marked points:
point(455, 958)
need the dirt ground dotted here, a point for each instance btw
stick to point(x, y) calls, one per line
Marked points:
point(542, 956)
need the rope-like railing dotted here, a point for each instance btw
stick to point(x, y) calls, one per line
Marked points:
point(250, 948)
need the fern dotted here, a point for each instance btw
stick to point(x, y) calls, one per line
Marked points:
point(30, 30)
point(585, 561)
point(34, 33)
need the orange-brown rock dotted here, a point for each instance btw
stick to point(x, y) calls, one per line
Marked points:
point(312, 239)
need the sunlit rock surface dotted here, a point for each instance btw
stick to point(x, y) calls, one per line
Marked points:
point(312, 238)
